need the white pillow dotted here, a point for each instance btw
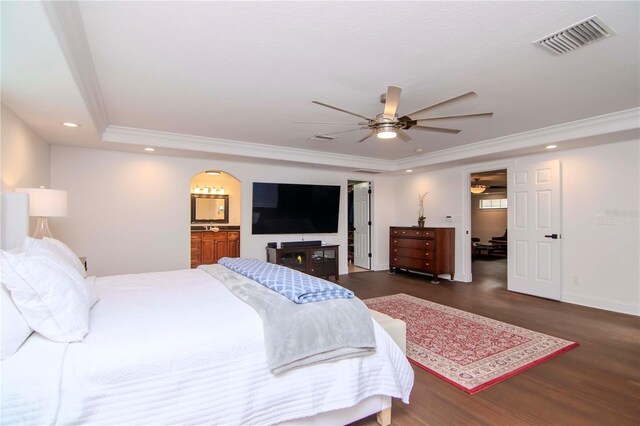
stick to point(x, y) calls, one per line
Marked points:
point(51, 250)
point(15, 329)
point(51, 300)
point(62, 250)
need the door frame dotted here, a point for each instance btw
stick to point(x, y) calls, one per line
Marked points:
point(370, 225)
point(465, 274)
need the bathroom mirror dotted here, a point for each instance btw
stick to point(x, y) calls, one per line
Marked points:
point(208, 208)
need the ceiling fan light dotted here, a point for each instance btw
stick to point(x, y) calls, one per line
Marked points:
point(386, 132)
point(478, 189)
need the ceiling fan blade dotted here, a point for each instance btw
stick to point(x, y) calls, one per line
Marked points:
point(437, 129)
point(391, 102)
point(341, 110)
point(329, 122)
point(404, 137)
point(366, 137)
point(344, 131)
point(455, 99)
point(444, 117)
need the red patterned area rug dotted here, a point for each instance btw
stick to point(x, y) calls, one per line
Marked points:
point(469, 351)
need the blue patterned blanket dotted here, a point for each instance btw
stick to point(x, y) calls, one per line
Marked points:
point(295, 285)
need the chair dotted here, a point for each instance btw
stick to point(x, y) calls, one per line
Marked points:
point(500, 243)
point(501, 238)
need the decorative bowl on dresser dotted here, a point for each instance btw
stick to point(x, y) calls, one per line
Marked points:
point(430, 250)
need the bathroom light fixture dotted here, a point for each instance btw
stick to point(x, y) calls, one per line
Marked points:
point(45, 203)
point(70, 124)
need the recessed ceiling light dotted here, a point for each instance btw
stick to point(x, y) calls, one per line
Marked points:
point(70, 124)
point(149, 149)
point(551, 146)
point(213, 172)
point(408, 170)
point(418, 150)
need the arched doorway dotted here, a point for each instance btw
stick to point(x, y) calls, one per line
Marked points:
point(215, 198)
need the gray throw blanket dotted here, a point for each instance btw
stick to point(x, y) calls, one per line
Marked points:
point(297, 335)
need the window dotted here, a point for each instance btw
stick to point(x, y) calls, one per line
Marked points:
point(497, 203)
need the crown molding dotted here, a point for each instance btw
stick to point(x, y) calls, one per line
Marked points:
point(143, 137)
point(590, 127)
point(67, 25)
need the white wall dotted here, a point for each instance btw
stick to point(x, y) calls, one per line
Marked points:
point(600, 262)
point(487, 223)
point(25, 157)
point(108, 190)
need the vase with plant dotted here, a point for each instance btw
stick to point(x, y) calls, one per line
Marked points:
point(421, 217)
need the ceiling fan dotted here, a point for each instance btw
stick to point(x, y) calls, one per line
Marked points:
point(388, 125)
point(478, 188)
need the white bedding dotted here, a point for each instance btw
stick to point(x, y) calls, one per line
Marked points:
point(178, 347)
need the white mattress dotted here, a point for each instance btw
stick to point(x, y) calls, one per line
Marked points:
point(178, 347)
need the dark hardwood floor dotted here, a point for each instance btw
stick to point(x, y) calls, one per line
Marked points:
point(597, 383)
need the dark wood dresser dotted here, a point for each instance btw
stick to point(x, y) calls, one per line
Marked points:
point(209, 246)
point(430, 250)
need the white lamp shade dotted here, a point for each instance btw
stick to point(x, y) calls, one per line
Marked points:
point(46, 202)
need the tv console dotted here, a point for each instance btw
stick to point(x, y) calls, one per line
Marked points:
point(310, 243)
point(318, 260)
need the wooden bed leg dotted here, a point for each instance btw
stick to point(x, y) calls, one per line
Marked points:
point(384, 417)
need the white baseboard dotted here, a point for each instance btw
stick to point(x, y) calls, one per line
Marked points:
point(609, 305)
point(463, 278)
point(380, 267)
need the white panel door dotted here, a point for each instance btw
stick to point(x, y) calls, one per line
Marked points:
point(361, 225)
point(534, 237)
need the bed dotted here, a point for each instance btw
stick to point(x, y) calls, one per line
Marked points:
point(179, 348)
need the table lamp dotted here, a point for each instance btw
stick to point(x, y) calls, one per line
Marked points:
point(45, 203)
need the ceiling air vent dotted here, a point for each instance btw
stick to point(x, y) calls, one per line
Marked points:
point(369, 172)
point(576, 36)
point(322, 137)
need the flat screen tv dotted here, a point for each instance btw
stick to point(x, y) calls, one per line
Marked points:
point(285, 208)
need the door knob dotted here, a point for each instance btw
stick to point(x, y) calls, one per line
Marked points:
point(553, 236)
